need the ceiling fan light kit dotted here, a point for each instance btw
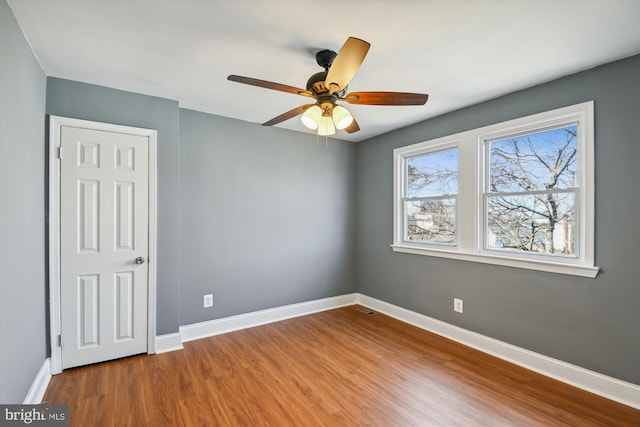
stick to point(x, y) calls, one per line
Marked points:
point(326, 126)
point(341, 117)
point(311, 117)
point(327, 119)
point(330, 86)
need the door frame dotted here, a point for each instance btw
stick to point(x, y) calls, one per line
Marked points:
point(55, 126)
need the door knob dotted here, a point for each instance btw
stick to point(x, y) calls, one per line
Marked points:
point(140, 260)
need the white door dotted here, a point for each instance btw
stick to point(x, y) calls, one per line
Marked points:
point(103, 245)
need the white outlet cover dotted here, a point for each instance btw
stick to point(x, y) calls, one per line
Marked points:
point(208, 300)
point(457, 305)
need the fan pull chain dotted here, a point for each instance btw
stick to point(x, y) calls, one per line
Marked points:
point(326, 140)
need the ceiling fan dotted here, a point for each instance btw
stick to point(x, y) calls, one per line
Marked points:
point(329, 86)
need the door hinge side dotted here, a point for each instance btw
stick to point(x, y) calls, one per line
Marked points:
point(60, 340)
point(59, 154)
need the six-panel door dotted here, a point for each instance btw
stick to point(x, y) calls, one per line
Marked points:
point(103, 231)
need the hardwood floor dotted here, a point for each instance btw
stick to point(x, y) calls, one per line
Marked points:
point(336, 368)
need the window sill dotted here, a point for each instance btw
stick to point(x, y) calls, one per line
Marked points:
point(551, 267)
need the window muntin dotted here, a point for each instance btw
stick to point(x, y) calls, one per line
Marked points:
point(430, 197)
point(532, 191)
point(488, 191)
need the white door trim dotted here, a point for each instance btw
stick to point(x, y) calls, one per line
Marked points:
point(55, 125)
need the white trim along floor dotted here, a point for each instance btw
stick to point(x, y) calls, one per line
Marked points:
point(611, 388)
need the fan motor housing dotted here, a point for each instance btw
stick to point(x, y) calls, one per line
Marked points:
point(316, 85)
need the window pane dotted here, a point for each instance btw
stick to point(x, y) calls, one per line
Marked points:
point(433, 174)
point(543, 223)
point(538, 161)
point(431, 221)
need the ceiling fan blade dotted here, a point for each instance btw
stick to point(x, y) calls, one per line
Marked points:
point(353, 127)
point(289, 114)
point(386, 98)
point(346, 64)
point(269, 85)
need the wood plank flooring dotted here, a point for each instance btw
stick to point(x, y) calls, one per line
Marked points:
point(336, 368)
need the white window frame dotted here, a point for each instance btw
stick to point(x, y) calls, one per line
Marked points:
point(472, 172)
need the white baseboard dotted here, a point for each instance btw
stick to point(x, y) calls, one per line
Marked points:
point(39, 385)
point(242, 321)
point(168, 342)
point(611, 388)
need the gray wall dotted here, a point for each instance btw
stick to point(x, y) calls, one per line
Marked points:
point(592, 323)
point(267, 217)
point(89, 102)
point(23, 332)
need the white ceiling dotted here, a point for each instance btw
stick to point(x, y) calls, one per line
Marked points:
point(460, 52)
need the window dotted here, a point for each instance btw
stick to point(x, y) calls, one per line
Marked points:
point(430, 197)
point(531, 192)
point(518, 193)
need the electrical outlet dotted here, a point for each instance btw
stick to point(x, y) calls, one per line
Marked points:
point(457, 305)
point(208, 300)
